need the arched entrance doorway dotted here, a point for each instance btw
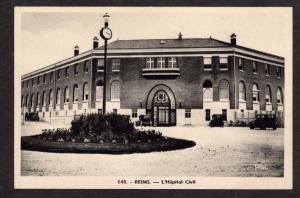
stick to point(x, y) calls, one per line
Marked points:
point(161, 109)
point(161, 106)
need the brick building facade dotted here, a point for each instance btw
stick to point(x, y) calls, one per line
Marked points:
point(176, 81)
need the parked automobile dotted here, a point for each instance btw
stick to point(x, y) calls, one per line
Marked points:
point(217, 120)
point(145, 120)
point(264, 121)
point(32, 116)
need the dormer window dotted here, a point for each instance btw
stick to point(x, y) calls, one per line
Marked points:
point(207, 63)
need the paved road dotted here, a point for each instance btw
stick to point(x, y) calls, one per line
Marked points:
point(219, 152)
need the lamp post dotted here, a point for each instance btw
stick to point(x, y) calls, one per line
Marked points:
point(105, 34)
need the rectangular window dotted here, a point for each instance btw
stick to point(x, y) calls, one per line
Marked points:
point(241, 62)
point(149, 63)
point(86, 66)
point(267, 69)
point(223, 63)
point(100, 64)
point(44, 78)
point(207, 63)
point(51, 76)
point(254, 67)
point(58, 74)
point(76, 69)
point(172, 62)
point(278, 72)
point(115, 65)
point(67, 71)
point(38, 80)
point(207, 114)
point(134, 113)
point(115, 111)
point(187, 113)
point(161, 62)
point(224, 114)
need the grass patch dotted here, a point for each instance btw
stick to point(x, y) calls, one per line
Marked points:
point(34, 143)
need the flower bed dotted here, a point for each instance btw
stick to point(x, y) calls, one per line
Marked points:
point(97, 133)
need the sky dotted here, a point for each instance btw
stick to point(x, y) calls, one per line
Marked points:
point(47, 35)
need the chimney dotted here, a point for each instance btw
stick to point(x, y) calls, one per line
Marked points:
point(179, 36)
point(95, 42)
point(76, 50)
point(233, 39)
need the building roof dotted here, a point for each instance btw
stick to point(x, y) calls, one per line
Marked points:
point(156, 44)
point(166, 43)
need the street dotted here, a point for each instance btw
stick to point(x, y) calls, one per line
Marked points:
point(228, 151)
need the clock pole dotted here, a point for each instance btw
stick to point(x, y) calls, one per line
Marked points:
point(105, 37)
point(104, 77)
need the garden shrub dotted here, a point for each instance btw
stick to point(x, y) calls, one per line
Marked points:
point(101, 124)
point(102, 128)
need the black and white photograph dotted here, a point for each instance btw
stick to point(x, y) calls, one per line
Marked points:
point(153, 97)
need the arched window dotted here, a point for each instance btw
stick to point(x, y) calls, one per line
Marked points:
point(255, 93)
point(279, 96)
point(115, 90)
point(22, 101)
point(85, 92)
point(66, 94)
point(242, 91)
point(99, 90)
point(26, 101)
point(58, 96)
point(223, 90)
point(268, 94)
point(32, 100)
point(38, 100)
point(75, 93)
point(207, 91)
point(44, 98)
point(50, 97)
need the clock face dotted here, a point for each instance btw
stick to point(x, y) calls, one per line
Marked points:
point(106, 33)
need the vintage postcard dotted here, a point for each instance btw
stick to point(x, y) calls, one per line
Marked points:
point(153, 97)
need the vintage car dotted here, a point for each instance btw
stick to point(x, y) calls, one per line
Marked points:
point(144, 120)
point(264, 121)
point(217, 120)
point(32, 116)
